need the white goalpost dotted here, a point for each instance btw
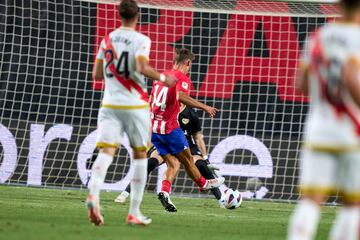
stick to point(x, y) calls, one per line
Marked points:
point(246, 57)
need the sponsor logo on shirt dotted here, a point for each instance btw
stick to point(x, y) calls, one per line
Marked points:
point(185, 121)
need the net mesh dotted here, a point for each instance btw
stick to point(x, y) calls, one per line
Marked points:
point(246, 52)
point(264, 7)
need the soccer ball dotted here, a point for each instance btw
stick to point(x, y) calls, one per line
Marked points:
point(231, 199)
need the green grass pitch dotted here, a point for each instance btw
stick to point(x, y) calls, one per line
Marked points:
point(31, 213)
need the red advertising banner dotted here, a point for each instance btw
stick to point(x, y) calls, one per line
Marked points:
point(275, 62)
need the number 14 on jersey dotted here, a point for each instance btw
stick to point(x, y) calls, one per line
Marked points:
point(160, 97)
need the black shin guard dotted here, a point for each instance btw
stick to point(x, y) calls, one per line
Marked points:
point(127, 189)
point(204, 170)
point(152, 164)
point(207, 174)
point(216, 192)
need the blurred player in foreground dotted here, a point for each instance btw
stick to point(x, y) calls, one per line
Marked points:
point(330, 160)
point(123, 61)
point(190, 124)
point(167, 136)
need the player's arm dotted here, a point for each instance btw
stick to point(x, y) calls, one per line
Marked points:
point(143, 65)
point(302, 80)
point(98, 70)
point(351, 75)
point(199, 140)
point(194, 128)
point(191, 102)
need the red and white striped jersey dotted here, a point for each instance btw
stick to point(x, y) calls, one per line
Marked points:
point(165, 105)
point(124, 86)
point(334, 118)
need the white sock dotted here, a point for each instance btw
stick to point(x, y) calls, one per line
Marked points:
point(98, 173)
point(346, 225)
point(137, 185)
point(304, 220)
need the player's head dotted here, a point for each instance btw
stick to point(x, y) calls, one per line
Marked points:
point(183, 59)
point(128, 11)
point(350, 7)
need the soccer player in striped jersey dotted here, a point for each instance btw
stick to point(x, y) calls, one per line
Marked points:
point(123, 61)
point(167, 136)
point(191, 126)
point(330, 160)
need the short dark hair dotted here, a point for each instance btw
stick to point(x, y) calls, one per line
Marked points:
point(128, 9)
point(182, 55)
point(350, 5)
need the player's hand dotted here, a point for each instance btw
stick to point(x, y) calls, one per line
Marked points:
point(212, 167)
point(211, 111)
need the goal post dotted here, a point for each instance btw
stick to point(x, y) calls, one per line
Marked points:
point(246, 57)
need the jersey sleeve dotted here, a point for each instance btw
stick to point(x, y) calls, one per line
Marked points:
point(101, 52)
point(194, 124)
point(183, 84)
point(143, 48)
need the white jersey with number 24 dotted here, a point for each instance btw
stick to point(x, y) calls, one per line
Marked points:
point(124, 86)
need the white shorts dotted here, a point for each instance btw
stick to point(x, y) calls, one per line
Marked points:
point(331, 173)
point(114, 122)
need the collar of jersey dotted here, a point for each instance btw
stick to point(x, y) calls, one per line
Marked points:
point(126, 28)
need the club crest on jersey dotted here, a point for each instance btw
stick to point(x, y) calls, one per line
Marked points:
point(185, 121)
point(185, 85)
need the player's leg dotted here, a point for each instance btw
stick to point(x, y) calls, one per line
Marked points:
point(108, 139)
point(137, 184)
point(206, 173)
point(173, 167)
point(138, 129)
point(317, 180)
point(99, 170)
point(154, 161)
point(170, 173)
point(175, 143)
point(89, 164)
point(98, 174)
point(192, 171)
point(180, 148)
point(346, 225)
point(204, 169)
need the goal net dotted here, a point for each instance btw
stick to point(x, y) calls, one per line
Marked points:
point(246, 56)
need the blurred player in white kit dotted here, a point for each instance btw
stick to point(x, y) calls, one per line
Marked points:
point(330, 160)
point(123, 61)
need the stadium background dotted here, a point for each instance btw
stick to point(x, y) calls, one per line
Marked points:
point(48, 49)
